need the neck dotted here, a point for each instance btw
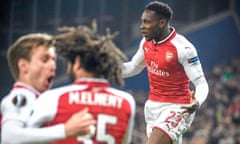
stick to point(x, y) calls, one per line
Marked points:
point(165, 33)
point(84, 74)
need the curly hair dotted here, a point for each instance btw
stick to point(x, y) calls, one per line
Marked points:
point(98, 53)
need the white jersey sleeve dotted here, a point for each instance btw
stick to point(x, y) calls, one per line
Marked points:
point(188, 57)
point(14, 130)
point(137, 63)
point(17, 106)
point(17, 134)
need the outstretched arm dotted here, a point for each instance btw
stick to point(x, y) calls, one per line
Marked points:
point(15, 132)
point(136, 65)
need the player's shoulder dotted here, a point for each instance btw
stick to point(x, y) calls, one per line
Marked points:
point(65, 88)
point(16, 96)
point(184, 47)
point(142, 41)
point(20, 99)
point(181, 41)
point(121, 93)
point(57, 92)
point(23, 92)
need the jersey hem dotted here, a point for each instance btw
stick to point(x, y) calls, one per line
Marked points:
point(168, 100)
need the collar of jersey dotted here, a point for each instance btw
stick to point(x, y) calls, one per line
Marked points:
point(22, 85)
point(170, 36)
point(95, 82)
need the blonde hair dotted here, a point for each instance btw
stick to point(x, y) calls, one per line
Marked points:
point(23, 48)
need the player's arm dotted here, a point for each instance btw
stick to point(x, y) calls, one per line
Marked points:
point(194, 71)
point(16, 111)
point(136, 64)
point(78, 124)
point(14, 128)
point(16, 133)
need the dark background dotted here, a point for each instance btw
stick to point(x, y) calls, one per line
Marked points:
point(211, 25)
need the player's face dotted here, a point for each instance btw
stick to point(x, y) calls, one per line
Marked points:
point(40, 70)
point(150, 25)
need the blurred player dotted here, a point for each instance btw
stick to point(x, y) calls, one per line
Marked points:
point(32, 63)
point(171, 62)
point(93, 63)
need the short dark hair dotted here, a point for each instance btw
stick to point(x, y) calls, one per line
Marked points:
point(162, 9)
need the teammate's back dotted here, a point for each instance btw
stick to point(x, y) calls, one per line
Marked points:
point(113, 109)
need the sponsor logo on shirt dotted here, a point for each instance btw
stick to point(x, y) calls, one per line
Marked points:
point(153, 68)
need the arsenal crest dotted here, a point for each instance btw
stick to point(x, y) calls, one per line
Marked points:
point(168, 56)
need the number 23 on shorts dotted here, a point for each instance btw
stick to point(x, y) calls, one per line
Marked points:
point(173, 119)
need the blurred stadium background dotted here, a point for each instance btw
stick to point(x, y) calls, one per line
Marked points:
point(213, 26)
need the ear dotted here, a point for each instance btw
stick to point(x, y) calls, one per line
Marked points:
point(162, 22)
point(77, 63)
point(23, 65)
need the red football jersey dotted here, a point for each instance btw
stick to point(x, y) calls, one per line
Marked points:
point(171, 64)
point(113, 109)
point(167, 77)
